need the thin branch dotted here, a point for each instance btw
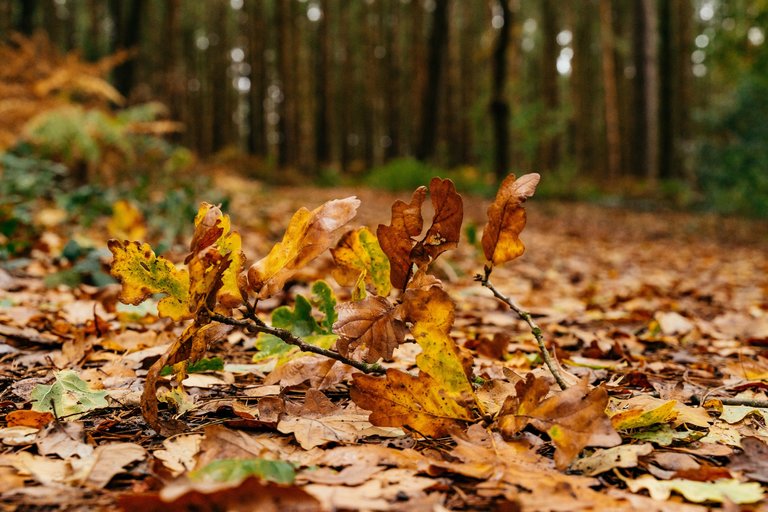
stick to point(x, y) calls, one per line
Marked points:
point(535, 329)
point(748, 402)
point(252, 325)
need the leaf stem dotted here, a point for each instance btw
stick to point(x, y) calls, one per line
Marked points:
point(255, 325)
point(526, 317)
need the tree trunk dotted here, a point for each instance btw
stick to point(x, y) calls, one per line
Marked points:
point(284, 131)
point(322, 123)
point(549, 145)
point(647, 67)
point(499, 107)
point(438, 38)
point(128, 28)
point(26, 21)
point(613, 136)
point(257, 137)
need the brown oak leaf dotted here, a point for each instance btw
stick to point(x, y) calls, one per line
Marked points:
point(371, 327)
point(397, 239)
point(444, 232)
point(573, 419)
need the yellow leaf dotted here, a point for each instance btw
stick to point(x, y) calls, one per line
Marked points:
point(142, 274)
point(506, 219)
point(639, 418)
point(127, 222)
point(308, 234)
point(358, 254)
point(441, 397)
point(401, 399)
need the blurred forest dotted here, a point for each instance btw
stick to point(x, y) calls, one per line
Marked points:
point(666, 98)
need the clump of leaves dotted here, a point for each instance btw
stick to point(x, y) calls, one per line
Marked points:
point(439, 399)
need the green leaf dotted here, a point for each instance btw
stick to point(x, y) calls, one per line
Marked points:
point(69, 396)
point(325, 300)
point(212, 364)
point(237, 470)
point(298, 320)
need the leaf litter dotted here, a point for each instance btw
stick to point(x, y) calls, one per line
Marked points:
point(660, 319)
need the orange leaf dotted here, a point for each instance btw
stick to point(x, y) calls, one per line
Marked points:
point(506, 219)
point(371, 326)
point(34, 419)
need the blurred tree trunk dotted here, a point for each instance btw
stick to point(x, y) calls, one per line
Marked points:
point(586, 144)
point(344, 87)
point(322, 122)
point(390, 19)
point(499, 107)
point(222, 128)
point(258, 30)
point(284, 130)
point(26, 19)
point(467, 42)
point(549, 144)
point(684, 16)
point(613, 136)
point(646, 95)
point(127, 18)
point(417, 70)
point(438, 38)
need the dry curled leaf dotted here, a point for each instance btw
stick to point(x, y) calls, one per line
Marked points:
point(358, 256)
point(506, 219)
point(398, 238)
point(371, 327)
point(573, 418)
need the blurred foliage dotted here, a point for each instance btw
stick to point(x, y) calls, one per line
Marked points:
point(409, 173)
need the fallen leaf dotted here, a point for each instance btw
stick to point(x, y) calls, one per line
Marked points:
point(65, 440)
point(308, 234)
point(623, 456)
point(573, 418)
point(18, 435)
point(106, 461)
point(25, 418)
point(370, 329)
point(178, 453)
point(735, 413)
point(250, 494)
point(721, 491)
point(753, 460)
point(127, 221)
point(69, 396)
point(358, 255)
point(506, 219)
point(234, 471)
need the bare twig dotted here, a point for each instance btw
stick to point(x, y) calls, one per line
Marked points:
point(526, 317)
point(748, 402)
point(255, 325)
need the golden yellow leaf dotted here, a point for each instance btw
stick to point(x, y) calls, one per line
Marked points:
point(127, 221)
point(142, 274)
point(308, 234)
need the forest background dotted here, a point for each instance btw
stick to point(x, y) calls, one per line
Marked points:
point(641, 99)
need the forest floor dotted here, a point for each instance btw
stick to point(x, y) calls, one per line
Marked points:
point(666, 311)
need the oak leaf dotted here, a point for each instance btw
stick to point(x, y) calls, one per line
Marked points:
point(440, 399)
point(371, 327)
point(143, 274)
point(573, 418)
point(358, 255)
point(398, 238)
point(506, 219)
point(308, 234)
point(127, 221)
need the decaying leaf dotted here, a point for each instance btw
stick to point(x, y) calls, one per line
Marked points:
point(68, 397)
point(358, 255)
point(369, 329)
point(753, 460)
point(127, 221)
point(643, 411)
point(236, 470)
point(506, 219)
point(308, 234)
point(573, 418)
point(28, 418)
